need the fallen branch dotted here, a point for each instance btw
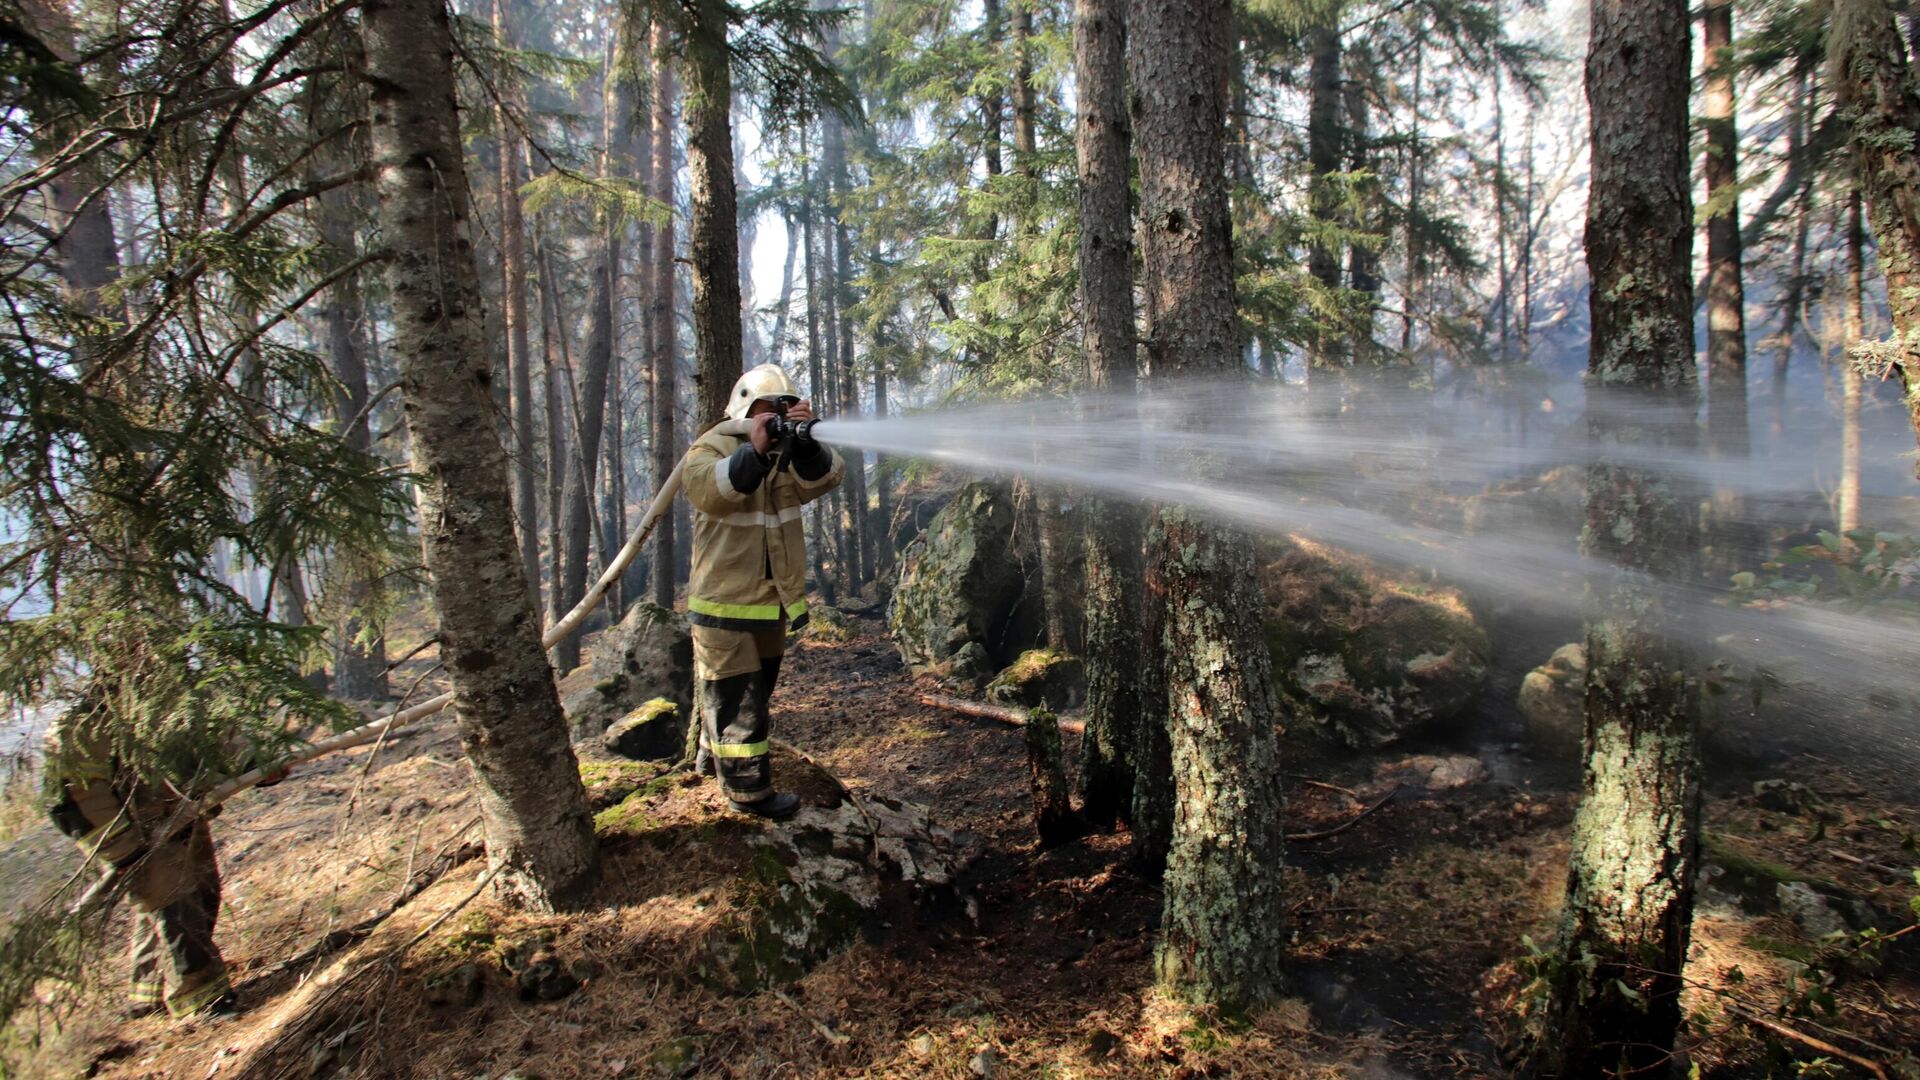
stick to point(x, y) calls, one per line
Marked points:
point(1002, 713)
point(1295, 838)
point(1799, 1036)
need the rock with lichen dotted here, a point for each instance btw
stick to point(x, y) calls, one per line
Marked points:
point(656, 731)
point(1373, 655)
point(648, 655)
point(1041, 677)
point(960, 582)
point(1553, 700)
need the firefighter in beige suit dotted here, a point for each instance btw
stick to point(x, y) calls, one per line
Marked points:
point(166, 859)
point(748, 589)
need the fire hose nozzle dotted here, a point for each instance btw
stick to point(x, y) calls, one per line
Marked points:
point(784, 430)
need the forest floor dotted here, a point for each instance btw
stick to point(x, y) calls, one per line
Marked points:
point(1407, 938)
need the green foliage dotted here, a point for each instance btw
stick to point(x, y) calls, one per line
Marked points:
point(1863, 571)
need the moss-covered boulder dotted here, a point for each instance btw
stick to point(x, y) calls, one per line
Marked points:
point(648, 656)
point(1041, 677)
point(656, 731)
point(819, 882)
point(959, 581)
point(1374, 656)
point(1553, 700)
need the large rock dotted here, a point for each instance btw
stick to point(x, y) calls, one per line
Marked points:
point(1552, 505)
point(1553, 699)
point(649, 655)
point(959, 582)
point(656, 731)
point(1041, 677)
point(1374, 656)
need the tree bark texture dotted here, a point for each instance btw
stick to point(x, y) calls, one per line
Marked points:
point(1223, 933)
point(1616, 981)
point(513, 269)
point(1103, 139)
point(589, 401)
point(1726, 299)
point(1053, 817)
point(663, 358)
point(1850, 378)
point(713, 234)
point(1882, 111)
point(854, 540)
point(1799, 110)
point(1323, 159)
point(533, 807)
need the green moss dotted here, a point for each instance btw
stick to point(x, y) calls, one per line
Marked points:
point(1755, 880)
point(1786, 950)
point(629, 816)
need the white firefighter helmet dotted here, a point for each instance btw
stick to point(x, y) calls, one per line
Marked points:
point(769, 382)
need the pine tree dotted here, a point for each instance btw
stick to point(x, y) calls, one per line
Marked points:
point(1106, 298)
point(1222, 936)
point(1616, 974)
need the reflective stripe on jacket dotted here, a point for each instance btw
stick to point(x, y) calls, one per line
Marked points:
point(749, 548)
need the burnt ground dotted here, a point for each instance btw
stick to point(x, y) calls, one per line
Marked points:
point(1406, 945)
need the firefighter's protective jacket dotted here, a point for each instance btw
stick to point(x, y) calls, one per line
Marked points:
point(749, 550)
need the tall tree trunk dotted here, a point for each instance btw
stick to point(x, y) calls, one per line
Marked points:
point(532, 805)
point(1615, 991)
point(993, 107)
point(1363, 264)
point(590, 401)
point(779, 344)
point(1500, 218)
point(1734, 544)
point(1416, 159)
point(853, 491)
point(1103, 140)
point(359, 666)
point(713, 225)
point(1850, 377)
point(552, 338)
point(1223, 932)
point(663, 357)
point(513, 269)
point(823, 575)
point(1799, 124)
point(1882, 110)
point(1323, 158)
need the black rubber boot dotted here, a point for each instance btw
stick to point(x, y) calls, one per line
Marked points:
point(778, 806)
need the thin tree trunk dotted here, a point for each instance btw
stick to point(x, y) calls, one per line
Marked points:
point(713, 236)
point(1504, 301)
point(853, 491)
point(823, 574)
point(1882, 107)
point(1615, 991)
point(1103, 140)
point(590, 399)
point(539, 834)
point(1223, 933)
point(1323, 157)
point(1798, 126)
point(1734, 544)
point(552, 337)
point(663, 356)
point(1416, 238)
point(513, 268)
point(359, 666)
point(1850, 378)
point(786, 291)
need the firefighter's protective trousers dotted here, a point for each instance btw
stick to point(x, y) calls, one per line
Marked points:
point(171, 877)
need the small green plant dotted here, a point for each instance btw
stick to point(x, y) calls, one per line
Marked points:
point(1862, 570)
